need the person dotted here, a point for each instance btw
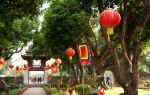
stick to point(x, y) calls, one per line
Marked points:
point(35, 80)
point(40, 80)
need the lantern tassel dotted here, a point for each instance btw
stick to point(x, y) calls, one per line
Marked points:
point(110, 30)
point(17, 72)
point(108, 37)
point(1, 66)
point(70, 58)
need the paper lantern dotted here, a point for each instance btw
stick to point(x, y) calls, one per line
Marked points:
point(11, 66)
point(17, 68)
point(109, 18)
point(58, 61)
point(1, 63)
point(70, 52)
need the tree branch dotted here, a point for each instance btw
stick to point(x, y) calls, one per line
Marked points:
point(14, 52)
point(116, 60)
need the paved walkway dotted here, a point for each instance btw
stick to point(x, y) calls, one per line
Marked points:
point(35, 91)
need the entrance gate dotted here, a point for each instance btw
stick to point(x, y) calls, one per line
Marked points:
point(35, 64)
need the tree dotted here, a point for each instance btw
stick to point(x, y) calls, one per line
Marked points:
point(135, 18)
point(64, 25)
point(120, 54)
point(11, 10)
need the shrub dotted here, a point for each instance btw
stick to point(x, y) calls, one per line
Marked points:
point(83, 88)
point(64, 87)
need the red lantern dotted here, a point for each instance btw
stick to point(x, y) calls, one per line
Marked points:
point(58, 61)
point(109, 18)
point(11, 66)
point(1, 63)
point(17, 68)
point(70, 52)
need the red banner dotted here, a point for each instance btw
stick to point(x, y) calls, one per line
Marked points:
point(83, 51)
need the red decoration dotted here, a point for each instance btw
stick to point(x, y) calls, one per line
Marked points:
point(20, 69)
point(58, 61)
point(83, 51)
point(101, 91)
point(70, 52)
point(17, 68)
point(109, 18)
point(11, 66)
point(25, 68)
point(1, 62)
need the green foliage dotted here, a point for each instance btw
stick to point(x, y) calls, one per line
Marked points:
point(50, 91)
point(63, 22)
point(13, 28)
point(65, 86)
point(83, 88)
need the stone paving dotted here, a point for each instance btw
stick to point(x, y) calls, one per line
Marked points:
point(35, 91)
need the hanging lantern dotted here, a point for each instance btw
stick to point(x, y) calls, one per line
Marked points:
point(58, 61)
point(1, 63)
point(70, 52)
point(11, 66)
point(109, 19)
point(17, 69)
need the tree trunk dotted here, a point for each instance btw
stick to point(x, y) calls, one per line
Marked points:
point(81, 76)
point(74, 73)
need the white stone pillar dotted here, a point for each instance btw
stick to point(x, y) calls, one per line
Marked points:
point(45, 77)
point(26, 77)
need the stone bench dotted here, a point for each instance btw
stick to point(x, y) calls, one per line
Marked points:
point(6, 87)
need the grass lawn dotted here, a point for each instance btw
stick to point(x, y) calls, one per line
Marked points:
point(118, 90)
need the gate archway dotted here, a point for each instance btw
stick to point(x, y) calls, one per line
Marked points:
point(35, 64)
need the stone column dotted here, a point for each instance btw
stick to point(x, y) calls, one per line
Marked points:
point(45, 77)
point(26, 77)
